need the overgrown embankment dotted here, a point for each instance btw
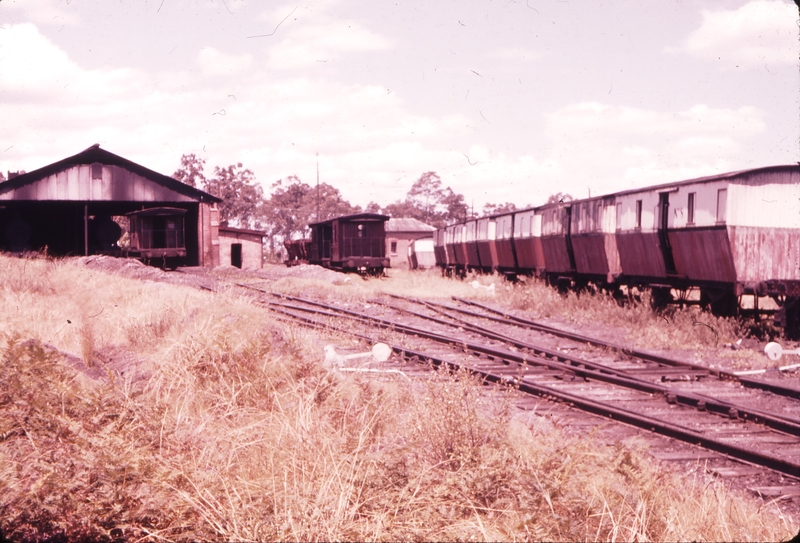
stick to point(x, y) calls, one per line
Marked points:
point(137, 409)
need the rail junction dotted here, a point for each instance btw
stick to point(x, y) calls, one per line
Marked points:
point(743, 428)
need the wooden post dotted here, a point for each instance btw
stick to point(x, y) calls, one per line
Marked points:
point(85, 229)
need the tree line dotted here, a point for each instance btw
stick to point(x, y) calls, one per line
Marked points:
point(293, 204)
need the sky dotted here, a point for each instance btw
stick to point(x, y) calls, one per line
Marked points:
point(507, 101)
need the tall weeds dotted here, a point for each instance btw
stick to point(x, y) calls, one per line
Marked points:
point(233, 430)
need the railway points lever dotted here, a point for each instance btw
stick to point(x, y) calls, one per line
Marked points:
point(380, 352)
point(774, 352)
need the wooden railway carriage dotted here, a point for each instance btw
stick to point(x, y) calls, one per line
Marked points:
point(297, 251)
point(460, 249)
point(421, 254)
point(726, 235)
point(486, 229)
point(527, 242)
point(556, 242)
point(506, 260)
point(730, 234)
point(471, 255)
point(593, 240)
point(440, 248)
point(350, 243)
point(157, 235)
point(451, 260)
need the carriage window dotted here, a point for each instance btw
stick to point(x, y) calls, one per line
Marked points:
point(722, 204)
point(638, 214)
point(506, 228)
point(482, 229)
point(690, 209)
point(470, 234)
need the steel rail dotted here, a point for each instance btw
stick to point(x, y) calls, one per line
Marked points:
point(780, 465)
point(590, 370)
point(466, 325)
point(780, 390)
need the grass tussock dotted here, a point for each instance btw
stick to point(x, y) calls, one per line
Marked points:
point(231, 429)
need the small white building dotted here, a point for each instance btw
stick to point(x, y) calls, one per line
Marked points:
point(241, 248)
point(400, 233)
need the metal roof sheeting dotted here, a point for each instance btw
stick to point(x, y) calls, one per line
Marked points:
point(76, 178)
point(408, 225)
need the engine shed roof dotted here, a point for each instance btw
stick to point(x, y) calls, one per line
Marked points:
point(22, 187)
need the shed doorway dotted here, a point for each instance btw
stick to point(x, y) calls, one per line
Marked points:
point(236, 255)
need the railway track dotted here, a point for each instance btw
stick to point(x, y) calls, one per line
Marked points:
point(745, 425)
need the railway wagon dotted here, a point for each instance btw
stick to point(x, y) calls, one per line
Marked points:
point(593, 240)
point(728, 235)
point(421, 254)
point(486, 245)
point(450, 261)
point(440, 248)
point(504, 244)
point(469, 245)
point(297, 251)
point(354, 243)
point(526, 241)
point(557, 243)
point(157, 235)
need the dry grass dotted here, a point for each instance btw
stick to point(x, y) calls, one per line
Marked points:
point(688, 327)
point(188, 416)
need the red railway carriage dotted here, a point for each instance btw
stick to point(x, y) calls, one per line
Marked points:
point(730, 234)
point(504, 244)
point(527, 242)
point(473, 259)
point(486, 245)
point(459, 242)
point(440, 248)
point(350, 243)
point(297, 251)
point(556, 243)
point(593, 237)
point(726, 235)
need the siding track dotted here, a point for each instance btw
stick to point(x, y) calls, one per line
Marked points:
point(636, 390)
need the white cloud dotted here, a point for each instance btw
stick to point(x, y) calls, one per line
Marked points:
point(515, 54)
point(761, 32)
point(309, 36)
point(621, 147)
point(612, 121)
point(34, 69)
point(213, 62)
point(45, 12)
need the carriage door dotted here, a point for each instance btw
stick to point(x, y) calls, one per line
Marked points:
point(663, 237)
point(335, 248)
point(568, 236)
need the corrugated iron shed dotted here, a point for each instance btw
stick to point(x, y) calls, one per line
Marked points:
point(95, 174)
point(64, 207)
